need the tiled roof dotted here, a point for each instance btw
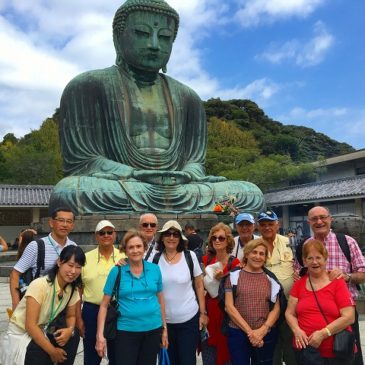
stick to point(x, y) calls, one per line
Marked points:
point(25, 195)
point(353, 187)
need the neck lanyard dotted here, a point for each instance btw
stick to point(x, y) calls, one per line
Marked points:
point(239, 244)
point(53, 312)
point(54, 245)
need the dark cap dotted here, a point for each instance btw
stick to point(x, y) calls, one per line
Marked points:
point(268, 215)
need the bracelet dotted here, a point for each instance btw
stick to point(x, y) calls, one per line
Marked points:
point(205, 313)
point(328, 331)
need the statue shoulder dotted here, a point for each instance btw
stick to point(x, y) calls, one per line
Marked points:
point(96, 77)
point(181, 88)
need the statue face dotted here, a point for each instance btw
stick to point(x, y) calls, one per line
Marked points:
point(146, 41)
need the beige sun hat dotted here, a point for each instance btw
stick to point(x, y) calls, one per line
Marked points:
point(102, 224)
point(175, 225)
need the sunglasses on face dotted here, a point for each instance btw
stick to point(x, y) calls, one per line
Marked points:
point(146, 225)
point(103, 233)
point(173, 234)
point(219, 238)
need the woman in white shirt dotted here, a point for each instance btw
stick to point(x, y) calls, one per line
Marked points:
point(184, 294)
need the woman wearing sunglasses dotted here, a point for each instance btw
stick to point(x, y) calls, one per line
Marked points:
point(141, 325)
point(218, 262)
point(184, 294)
point(98, 265)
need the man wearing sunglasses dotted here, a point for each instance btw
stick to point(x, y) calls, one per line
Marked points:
point(148, 224)
point(98, 264)
point(245, 226)
point(61, 223)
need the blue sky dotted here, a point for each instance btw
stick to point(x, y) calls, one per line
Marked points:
point(302, 61)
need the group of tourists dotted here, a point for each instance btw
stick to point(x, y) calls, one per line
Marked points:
point(232, 307)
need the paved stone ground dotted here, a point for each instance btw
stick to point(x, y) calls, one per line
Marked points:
point(5, 302)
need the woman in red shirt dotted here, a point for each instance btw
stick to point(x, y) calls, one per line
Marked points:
point(303, 314)
point(220, 246)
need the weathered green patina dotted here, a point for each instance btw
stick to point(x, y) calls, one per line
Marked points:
point(134, 139)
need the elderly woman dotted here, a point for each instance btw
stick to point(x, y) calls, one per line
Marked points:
point(31, 337)
point(303, 315)
point(184, 294)
point(220, 262)
point(252, 303)
point(141, 325)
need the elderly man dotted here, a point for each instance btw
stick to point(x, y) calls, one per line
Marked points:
point(134, 139)
point(98, 264)
point(148, 224)
point(245, 226)
point(61, 224)
point(280, 261)
point(353, 271)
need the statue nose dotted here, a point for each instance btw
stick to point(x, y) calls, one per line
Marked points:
point(154, 41)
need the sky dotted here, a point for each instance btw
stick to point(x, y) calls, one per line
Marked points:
point(301, 61)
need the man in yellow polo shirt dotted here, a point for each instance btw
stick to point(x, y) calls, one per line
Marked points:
point(98, 264)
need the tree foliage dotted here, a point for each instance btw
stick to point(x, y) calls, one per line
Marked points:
point(34, 158)
point(243, 144)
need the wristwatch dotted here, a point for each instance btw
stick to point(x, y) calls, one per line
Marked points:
point(349, 275)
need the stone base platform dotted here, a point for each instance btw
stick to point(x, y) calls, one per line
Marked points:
point(83, 232)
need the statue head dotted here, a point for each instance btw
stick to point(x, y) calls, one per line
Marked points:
point(143, 34)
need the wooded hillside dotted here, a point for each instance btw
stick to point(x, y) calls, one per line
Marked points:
point(243, 144)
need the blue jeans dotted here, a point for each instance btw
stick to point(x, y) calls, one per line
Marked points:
point(183, 341)
point(90, 315)
point(243, 353)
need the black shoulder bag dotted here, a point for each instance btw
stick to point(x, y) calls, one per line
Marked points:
point(344, 341)
point(110, 326)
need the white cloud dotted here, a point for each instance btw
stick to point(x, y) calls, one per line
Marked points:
point(258, 90)
point(340, 123)
point(255, 12)
point(305, 54)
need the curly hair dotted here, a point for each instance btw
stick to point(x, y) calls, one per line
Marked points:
point(251, 245)
point(131, 233)
point(155, 6)
point(316, 245)
point(229, 237)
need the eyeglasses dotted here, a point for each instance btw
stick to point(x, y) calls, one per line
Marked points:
point(103, 233)
point(219, 238)
point(320, 217)
point(146, 225)
point(173, 234)
point(63, 220)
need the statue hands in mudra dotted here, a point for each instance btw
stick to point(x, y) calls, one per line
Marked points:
point(134, 139)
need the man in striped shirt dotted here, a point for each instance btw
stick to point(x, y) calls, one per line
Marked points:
point(61, 224)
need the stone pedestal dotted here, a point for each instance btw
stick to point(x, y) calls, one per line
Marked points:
point(83, 233)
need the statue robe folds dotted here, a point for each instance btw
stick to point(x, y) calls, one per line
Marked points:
point(101, 159)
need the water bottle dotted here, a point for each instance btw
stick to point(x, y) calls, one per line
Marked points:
point(22, 286)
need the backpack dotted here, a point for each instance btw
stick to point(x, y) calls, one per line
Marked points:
point(27, 277)
point(342, 241)
point(221, 291)
point(190, 263)
point(221, 298)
